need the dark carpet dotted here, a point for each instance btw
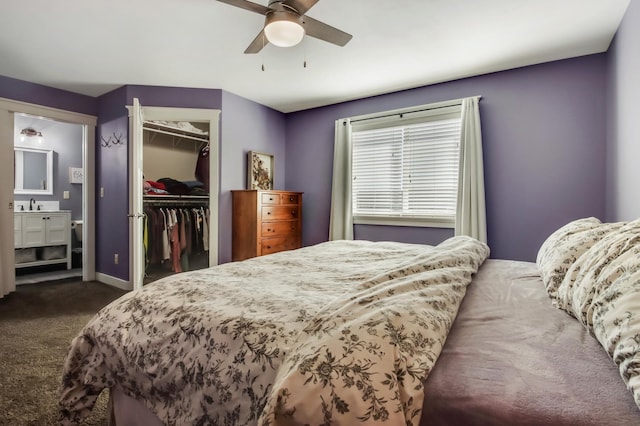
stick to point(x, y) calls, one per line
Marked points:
point(37, 324)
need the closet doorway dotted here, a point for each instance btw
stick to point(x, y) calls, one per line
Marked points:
point(166, 155)
point(8, 111)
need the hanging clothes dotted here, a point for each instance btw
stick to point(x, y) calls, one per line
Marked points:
point(202, 167)
point(174, 235)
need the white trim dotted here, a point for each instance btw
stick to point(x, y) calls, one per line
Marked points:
point(48, 112)
point(7, 217)
point(114, 282)
point(426, 222)
point(88, 189)
point(89, 203)
point(212, 117)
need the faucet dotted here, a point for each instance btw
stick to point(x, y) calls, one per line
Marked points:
point(31, 203)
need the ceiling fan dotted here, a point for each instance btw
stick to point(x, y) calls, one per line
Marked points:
point(286, 24)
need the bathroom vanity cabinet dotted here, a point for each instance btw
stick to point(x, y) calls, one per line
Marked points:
point(42, 238)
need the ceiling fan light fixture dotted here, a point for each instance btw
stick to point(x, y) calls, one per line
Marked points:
point(283, 29)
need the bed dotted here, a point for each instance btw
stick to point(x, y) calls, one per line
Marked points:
point(358, 332)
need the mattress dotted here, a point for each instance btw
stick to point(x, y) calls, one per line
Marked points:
point(511, 357)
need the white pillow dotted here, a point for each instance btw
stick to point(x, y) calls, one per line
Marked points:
point(615, 307)
point(592, 271)
point(561, 249)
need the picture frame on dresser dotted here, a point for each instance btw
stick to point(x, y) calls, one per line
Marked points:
point(260, 170)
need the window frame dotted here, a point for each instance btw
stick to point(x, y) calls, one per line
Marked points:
point(398, 118)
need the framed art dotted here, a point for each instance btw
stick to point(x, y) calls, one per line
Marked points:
point(76, 175)
point(260, 168)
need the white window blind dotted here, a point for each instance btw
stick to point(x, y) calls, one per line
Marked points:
point(406, 172)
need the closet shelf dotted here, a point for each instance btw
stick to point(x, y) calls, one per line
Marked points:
point(176, 199)
point(175, 131)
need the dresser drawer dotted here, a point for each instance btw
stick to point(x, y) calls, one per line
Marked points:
point(276, 244)
point(270, 199)
point(279, 199)
point(286, 227)
point(280, 213)
point(289, 198)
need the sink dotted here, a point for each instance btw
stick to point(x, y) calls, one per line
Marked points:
point(45, 206)
point(42, 211)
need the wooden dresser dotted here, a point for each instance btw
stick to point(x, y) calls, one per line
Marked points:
point(265, 222)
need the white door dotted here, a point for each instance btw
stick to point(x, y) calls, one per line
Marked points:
point(136, 213)
point(138, 114)
point(7, 252)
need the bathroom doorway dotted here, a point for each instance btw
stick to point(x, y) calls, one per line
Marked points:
point(48, 199)
point(8, 110)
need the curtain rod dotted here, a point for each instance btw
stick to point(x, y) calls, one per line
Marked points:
point(410, 110)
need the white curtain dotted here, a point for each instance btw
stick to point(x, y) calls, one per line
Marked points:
point(470, 212)
point(341, 220)
point(7, 254)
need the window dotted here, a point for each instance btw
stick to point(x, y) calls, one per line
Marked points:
point(405, 168)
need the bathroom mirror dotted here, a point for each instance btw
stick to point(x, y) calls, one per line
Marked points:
point(33, 171)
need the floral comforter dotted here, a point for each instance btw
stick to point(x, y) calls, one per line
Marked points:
point(591, 270)
point(343, 332)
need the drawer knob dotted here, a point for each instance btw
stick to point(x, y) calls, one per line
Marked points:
point(291, 198)
point(269, 247)
point(268, 213)
point(270, 198)
point(293, 212)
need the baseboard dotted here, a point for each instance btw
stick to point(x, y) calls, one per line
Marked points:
point(114, 282)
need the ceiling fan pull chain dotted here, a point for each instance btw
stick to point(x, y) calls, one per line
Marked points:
point(304, 50)
point(262, 51)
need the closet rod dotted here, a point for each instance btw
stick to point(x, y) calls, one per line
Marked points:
point(182, 201)
point(176, 204)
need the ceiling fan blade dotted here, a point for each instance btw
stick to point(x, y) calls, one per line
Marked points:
point(301, 6)
point(258, 43)
point(325, 32)
point(244, 4)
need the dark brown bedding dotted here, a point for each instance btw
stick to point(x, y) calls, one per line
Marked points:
point(512, 358)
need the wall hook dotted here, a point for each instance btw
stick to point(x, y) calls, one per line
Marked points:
point(113, 140)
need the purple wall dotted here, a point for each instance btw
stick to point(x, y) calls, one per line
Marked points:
point(623, 110)
point(246, 126)
point(175, 97)
point(112, 224)
point(112, 173)
point(11, 88)
point(544, 145)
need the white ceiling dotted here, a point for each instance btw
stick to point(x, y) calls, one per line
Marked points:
point(94, 46)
